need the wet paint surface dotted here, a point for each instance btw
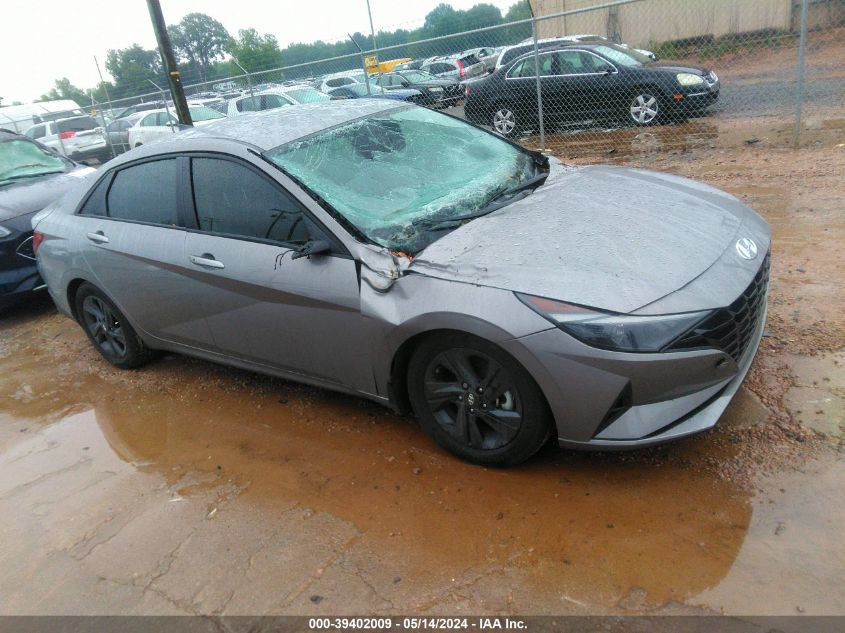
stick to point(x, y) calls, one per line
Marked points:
point(190, 488)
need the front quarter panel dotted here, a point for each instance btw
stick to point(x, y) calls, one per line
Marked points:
point(416, 304)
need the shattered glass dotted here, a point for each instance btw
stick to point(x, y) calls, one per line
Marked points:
point(393, 174)
point(23, 159)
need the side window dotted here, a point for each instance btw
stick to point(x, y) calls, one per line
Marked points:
point(96, 202)
point(571, 63)
point(275, 101)
point(245, 105)
point(149, 120)
point(145, 193)
point(36, 132)
point(164, 118)
point(594, 63)
point(233, 199)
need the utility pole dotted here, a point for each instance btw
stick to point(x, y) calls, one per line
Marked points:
point(372, 30)
point(165, 48)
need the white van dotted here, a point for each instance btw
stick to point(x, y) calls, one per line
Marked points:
point(20, 118)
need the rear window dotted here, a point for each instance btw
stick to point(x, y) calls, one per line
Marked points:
point(145, 193)
point(201, 113)
point(76, 125)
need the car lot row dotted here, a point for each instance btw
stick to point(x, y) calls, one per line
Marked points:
point(582, 78)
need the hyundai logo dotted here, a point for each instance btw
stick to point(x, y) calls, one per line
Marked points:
point(746, 248)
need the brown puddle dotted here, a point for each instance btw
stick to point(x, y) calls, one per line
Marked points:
point(566, 533)
point(191, 488)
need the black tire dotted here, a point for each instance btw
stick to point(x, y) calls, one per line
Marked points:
point(646, 106)
point(476, 401)
point(505, 120)
point(109, 330)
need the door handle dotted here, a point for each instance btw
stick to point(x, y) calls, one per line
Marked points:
point(207, 260)
point(98, 237)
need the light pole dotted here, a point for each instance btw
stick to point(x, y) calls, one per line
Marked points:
point(372, 30)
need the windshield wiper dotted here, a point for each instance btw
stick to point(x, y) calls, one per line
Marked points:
point(8, 179)
point(498, 201)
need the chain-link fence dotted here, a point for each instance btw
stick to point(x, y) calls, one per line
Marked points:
point(580, 77)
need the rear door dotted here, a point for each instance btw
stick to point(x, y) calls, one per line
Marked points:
point(262, 305)
point(133, 235)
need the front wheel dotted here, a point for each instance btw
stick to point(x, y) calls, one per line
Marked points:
point(645, 108)
point(477, 401)
point(505, 121)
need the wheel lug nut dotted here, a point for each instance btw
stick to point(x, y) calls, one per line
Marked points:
point(465, 386)
point(460, 398)
point(481, 390)
point(483, 405)
point(472, 410)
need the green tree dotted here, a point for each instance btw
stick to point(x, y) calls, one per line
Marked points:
point(200, 40)
point(256, 52)
point(63, 89)
point(131, 69)
point(518, 11)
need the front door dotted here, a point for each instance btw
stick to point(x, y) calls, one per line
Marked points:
point(262, 305)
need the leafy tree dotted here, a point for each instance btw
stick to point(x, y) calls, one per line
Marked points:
point(131, 69)
point(518, 11)
point(256, 52)
point(63, 89)
point(200, 40)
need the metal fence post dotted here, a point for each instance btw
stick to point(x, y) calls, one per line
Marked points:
point(799, 86)
point(539, 89)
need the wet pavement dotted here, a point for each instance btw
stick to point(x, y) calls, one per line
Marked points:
point(186, 487)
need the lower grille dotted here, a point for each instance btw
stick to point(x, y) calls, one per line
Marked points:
point(730, 329)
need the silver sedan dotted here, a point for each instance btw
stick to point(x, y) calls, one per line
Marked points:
point(403, 255)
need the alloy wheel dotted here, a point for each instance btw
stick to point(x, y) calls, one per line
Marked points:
point(473, 398)
point(104, 327)
point(644, 109)
point(504, 121)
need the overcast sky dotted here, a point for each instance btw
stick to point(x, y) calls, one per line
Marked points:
point(41, 41)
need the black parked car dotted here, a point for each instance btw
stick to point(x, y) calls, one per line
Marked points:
point(581, 82)
point(31, 177)
point(434, 91)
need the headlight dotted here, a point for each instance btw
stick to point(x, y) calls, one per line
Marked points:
point(4, 232)
point(688, 79)
point(618, 332)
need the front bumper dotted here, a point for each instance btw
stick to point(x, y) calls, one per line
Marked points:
point(698, 99)
point(681, 417)
point(604, 400)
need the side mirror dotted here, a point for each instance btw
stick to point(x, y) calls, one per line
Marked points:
point(312, 247)
point(405, 84)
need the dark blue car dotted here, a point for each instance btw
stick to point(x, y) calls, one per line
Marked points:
point(31, 177)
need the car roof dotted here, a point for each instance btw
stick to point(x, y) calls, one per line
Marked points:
point(270, 128)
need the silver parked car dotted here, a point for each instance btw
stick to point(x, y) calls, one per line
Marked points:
point(501, 296)
point(456, 67)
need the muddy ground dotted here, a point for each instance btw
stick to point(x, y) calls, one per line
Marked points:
point(186, 487)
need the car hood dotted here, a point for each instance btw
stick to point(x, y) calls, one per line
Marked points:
point(677, 67)
point(611, 238)
point(31, 195)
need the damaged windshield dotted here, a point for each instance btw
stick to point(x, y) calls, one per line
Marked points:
point(24, 159)
point(400, 176)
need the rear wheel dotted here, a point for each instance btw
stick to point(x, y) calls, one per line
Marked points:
point(477, 401)
point(109, 330)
